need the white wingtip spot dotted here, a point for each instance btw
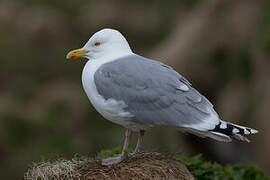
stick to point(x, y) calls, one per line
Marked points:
point(246, 131)
point(253, 131)
point(223, 125)
point(235, 130)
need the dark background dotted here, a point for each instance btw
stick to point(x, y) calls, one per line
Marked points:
point(222, 47)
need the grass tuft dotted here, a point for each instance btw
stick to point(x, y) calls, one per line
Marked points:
point(60, 169)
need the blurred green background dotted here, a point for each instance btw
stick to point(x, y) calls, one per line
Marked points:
point(222, 47)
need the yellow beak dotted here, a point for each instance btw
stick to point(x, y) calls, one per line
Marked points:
point(74, 54)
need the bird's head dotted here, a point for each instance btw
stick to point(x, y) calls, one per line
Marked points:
point(103, 43)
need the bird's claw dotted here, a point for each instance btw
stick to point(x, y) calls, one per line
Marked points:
point(113, 160)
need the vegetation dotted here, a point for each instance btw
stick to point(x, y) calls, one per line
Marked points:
point(200, 169)
point(204, 170)
point(110, 153)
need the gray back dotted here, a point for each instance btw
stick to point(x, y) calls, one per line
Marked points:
point(153, 92)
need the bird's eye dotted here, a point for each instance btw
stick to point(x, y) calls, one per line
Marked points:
point(97, 43)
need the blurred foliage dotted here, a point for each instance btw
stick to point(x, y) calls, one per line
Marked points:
point(203, 170)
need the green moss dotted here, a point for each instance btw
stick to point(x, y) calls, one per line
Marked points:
point(203, 170)
point(110, 153)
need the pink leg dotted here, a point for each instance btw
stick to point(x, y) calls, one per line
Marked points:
point(139, 143)
point(123, 156)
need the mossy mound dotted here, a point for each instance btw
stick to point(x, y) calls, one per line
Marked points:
point(142, 166)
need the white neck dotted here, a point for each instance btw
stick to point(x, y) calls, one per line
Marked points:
point(88, 75)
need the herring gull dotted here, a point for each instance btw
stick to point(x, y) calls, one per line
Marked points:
point(138, 93)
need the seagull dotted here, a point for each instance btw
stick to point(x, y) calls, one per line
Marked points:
point(139, 93)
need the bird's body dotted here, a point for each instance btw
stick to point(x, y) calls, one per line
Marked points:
point(139, 93)
point(152, 94)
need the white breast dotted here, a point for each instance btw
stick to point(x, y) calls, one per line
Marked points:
point(111, 109)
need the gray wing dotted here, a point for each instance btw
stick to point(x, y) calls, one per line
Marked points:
point(155, 94)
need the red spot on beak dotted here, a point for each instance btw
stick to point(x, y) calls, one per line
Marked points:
point(72, 57)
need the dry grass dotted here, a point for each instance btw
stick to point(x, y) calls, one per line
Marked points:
point(142, 166)
point(60, 169)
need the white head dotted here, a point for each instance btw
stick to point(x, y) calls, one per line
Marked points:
point(105, 42)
